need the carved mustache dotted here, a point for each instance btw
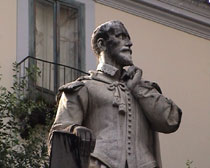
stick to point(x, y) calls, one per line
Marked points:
point(126, 49)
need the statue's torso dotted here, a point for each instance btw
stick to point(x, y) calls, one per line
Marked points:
point(121, 129)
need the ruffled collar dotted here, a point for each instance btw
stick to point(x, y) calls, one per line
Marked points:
point(107, 69)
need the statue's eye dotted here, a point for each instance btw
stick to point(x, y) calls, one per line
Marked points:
point(121, 36)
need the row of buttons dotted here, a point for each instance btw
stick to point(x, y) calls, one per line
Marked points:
point(129, 131)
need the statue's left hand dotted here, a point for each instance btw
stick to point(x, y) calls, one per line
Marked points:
point(86, 140)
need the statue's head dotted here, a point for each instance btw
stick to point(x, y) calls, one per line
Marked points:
point(113, 40)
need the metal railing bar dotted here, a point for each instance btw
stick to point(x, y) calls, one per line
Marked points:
point(23, 60)
point(42, 75)
point(19, 75)
point(64, 73)
point(71, 75)
point(24, 66)
point(49, 76)
point(38, 59)
point(24, 76)
point(35, 81)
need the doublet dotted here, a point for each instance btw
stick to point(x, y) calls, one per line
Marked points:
point(124, 123)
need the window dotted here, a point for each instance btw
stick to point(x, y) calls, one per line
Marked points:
point(57, 35)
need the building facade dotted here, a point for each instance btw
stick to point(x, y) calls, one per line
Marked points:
point(171, 43)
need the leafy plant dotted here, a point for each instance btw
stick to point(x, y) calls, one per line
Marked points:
point(22, 138)
point(189, 163)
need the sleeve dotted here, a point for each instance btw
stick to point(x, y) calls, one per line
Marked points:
point(163, 114)
point(71, 111)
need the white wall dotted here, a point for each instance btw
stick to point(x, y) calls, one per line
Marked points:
point(7, 41)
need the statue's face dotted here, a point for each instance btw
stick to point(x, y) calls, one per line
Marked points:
point(119, 46)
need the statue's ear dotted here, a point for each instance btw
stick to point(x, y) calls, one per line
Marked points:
point(101, 44)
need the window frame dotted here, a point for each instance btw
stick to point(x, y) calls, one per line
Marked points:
point(56, 32)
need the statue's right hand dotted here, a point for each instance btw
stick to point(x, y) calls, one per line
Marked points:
point(86, 139)
point(135, 74)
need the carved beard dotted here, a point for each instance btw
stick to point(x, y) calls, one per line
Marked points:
point(124, 60)
point(120, 57)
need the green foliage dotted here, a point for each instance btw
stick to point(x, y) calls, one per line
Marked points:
point(23, 141)
point(189, 163)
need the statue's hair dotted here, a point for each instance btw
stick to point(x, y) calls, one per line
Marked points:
point(103, 31)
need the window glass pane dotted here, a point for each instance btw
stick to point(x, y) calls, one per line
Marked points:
point(44, 42)
point(68, 42)
point(44, 30)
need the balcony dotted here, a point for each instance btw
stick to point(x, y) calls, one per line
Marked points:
point(45, 76)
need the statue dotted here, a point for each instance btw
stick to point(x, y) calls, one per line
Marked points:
point(113, 109)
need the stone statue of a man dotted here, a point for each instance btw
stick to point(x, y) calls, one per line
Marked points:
point(118, 108)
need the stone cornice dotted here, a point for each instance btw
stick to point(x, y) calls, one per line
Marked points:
point(200, 7)
point(191, 16)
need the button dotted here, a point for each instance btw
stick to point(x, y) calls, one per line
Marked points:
point(129, 108)
point(129, 143)
point(129, 120)
point(129, 153)
point(129, 126)
point(129, 148)
point(122, 108)
point(129, 131)
point(129, 103)
point(129, 114)
point(129, 137)
point(129, 98)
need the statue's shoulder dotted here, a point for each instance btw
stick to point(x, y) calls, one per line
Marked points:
point(157, 87)
point(150, 84)
point(72, 87)
point(75, 85)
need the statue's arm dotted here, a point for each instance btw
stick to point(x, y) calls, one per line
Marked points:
point(71, 110)
point(72, 106)
point(162, 113)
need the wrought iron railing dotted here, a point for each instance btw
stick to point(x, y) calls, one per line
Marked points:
point(44, 75)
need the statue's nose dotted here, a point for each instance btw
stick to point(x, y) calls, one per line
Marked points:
point(129, 43)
